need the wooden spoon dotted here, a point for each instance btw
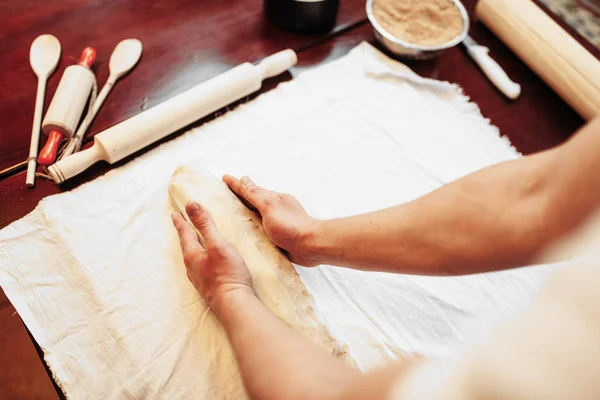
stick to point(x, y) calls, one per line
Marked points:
point(123, 58)
point(43, 57)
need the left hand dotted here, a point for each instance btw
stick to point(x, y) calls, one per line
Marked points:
point(216, 270)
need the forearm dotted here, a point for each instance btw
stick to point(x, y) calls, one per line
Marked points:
point(479, 223)
point(499, 217)
point(275, 361)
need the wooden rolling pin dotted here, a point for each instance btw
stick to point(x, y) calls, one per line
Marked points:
point(155, 123)
point(564, 64)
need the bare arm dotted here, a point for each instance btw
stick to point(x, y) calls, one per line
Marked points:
point(277, 362)
point(499, 217)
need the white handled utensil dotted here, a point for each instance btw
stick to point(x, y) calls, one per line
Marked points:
point(43, 57)
point(123, 58)
point(494, 72)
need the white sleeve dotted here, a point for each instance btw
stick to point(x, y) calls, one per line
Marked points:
point(551, 351)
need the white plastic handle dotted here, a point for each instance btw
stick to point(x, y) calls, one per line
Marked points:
point(494, 72)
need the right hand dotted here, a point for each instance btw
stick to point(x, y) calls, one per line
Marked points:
point(284, 219)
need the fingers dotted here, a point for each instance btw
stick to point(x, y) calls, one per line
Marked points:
point(245, 188)
point(204, 223)
point(187, 236)
point(232, 182)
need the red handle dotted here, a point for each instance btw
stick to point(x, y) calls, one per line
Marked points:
point(48, 153)
point(88, 56)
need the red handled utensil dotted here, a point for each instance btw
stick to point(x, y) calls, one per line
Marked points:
point(48, 154)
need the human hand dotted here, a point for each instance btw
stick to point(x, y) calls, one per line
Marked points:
point(216, 269)
point(284, 219)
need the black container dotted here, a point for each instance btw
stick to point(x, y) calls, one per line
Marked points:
point(305, 16)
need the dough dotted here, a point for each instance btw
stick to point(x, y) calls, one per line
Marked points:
point(276, 282)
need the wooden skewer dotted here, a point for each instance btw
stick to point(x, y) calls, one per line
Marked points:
point(5, 173)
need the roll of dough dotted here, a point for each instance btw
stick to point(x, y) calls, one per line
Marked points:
point(69, 100)
point(276, 282)
point(562, 62)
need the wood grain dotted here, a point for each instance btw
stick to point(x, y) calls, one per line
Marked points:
point(22, 374)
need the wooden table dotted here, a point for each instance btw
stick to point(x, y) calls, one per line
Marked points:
point(187, 42)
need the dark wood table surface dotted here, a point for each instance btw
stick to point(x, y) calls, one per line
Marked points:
point(187, 42)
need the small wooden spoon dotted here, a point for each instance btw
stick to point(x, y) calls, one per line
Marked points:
point(43, 57)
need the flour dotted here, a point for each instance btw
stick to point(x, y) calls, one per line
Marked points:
point(422, 22)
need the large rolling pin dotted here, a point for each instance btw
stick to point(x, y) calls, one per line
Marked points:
point(563, 63)
point(159, 121)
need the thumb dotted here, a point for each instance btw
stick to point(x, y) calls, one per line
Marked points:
point(204, 223)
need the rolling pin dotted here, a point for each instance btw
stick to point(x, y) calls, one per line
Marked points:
point(65, 110)
point(151, 125)
point(564, 64)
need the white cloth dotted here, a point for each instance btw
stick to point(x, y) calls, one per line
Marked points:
point(96, 273)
